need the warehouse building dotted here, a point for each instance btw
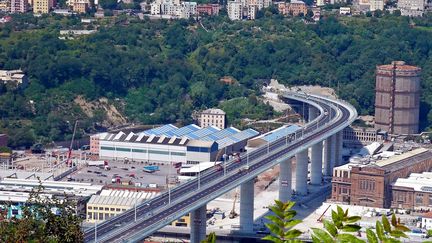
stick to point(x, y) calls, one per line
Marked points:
point(14, 193)
point(286, 131)
point(112, 202)
point(369, 183)
point(414, 192)
point(189, 144)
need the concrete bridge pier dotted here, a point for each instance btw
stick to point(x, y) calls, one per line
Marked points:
point(313, 112)
point(285, 180)
point(247, 206)
point(301, 172)
point(327, 157)
point(198, 224)
point(339, 145)
point(333, 157)
point(316, 163)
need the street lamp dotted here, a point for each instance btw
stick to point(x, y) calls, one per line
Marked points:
point(199, 175)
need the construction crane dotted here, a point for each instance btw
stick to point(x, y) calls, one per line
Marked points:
point(233, 213)
point(68, 161)
point(322, 215)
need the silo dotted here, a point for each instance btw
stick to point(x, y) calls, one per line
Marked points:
point(397, 99)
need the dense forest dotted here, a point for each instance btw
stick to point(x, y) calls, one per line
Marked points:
point(156, 72)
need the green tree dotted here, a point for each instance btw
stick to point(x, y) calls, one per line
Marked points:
point(339, 229)
point(387, 231)
point(211, 238)
point(40, 224)
point(282, 223)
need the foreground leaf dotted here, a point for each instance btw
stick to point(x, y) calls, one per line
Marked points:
point(348, 238)
point(386, 224)
point(330, 227)
point(380, 230)
point(371, 236)
point(351, 228)
point(272, 238)
point(322, 235)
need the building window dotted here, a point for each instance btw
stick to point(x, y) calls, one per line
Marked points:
point(139, 150)
point(430, 200)
point(89, 215)
point(107, 148)
point(123, 149)
point(90, 207)
point(178, 154)
point(118, 209)
point(106, 209)
point(100, 216)
point(158, 152)
point(112, 209)
point(100, 208)
point(419, 199)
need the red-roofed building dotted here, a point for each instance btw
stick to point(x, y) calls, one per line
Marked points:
point(208, 9)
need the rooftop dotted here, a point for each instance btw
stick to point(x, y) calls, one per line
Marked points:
point(400, 66)
point(394, 162)
point(172, 135)
point(213, 111)
point(50, 187)
point(198, 167)
point(417, 154)
point(420, 182)
point(20, 174)
point(277, 133)
point(297, 2)
point(120, 198)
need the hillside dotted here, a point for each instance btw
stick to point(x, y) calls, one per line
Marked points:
point(155, 72)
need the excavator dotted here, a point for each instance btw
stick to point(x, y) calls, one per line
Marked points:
point(233, 213)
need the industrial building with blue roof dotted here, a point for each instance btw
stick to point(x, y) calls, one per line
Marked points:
point(168, 143)
point(272, 136)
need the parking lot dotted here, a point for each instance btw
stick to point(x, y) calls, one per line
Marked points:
point(127, 173)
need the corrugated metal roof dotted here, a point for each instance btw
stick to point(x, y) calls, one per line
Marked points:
point(200, 143)
point(221, 134)
point(237, 137)
point(182, 131)
point(120, 197)
point(278, 133)
point(203, 132)
point(160, 130)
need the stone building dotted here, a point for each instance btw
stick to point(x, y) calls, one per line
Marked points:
point(414, 192)
point(370, 184)
point(212, 117)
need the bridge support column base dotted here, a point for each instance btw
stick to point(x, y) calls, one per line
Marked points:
point(198, 224)
point(285, 180)
point(247, 206)
point(301, 172)
point(316, 163)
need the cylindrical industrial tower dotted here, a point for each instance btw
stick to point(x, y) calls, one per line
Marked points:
point(397, 98)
